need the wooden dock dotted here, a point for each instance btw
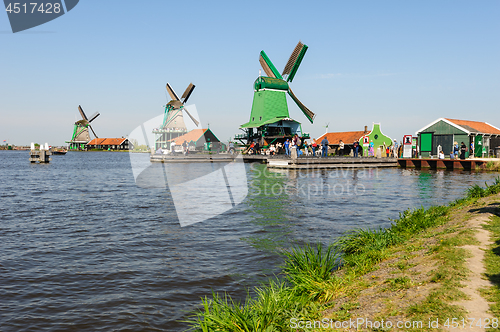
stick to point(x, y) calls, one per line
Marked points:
point(450, 164)
point(281, 161)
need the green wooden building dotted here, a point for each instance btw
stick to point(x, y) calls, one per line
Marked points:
point(380, 141)
point(445, 132)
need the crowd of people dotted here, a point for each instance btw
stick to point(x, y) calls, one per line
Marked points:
point(295, 147)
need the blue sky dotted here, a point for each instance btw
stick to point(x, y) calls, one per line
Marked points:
point(399, 63)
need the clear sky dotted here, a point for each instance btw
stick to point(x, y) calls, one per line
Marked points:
point(401, 63)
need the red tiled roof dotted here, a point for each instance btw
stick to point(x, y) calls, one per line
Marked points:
point(194, 135)
point(107, 141)
point(348, 137)
point(475, 126)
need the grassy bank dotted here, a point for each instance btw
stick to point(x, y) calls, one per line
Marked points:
point(411, 272)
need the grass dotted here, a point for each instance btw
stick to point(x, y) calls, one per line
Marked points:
point(317, 276)
point(492, 263)
point(493, 165)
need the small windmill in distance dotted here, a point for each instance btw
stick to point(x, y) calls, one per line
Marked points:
point(81, 135)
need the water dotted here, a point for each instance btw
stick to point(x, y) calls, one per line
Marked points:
point(84, 248)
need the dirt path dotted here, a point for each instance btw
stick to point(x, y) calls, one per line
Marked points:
point(477, 307)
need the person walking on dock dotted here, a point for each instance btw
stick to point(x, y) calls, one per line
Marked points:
point(395, 148)
point(463, 150)
point(341, 148)
point(287, 147)
point(314, 146)
point(356, 148)
point(324, 147)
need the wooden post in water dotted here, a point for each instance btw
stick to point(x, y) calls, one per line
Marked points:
point(42, 155)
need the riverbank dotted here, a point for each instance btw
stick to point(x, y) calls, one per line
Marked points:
point(416, 273)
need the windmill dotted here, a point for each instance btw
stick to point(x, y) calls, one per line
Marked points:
point(173, 121)
point(81, 135)
point(270, 119)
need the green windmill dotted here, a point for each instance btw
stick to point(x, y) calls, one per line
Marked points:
point(81, 134)
point(270, 120)
point(173, 120)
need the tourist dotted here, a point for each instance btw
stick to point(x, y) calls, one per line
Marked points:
point(257, 147)
point(184, 148)
point(324, 147)
point(272, 150)
point(251, 149)
point(293, 148)
point(395, 148)
point(455, 149)
point(471, 151)
point(463, 150)
point(306, 148)
point(298, 143)
point(341, 148)
point(441, 155)
point(172, 147)
point(452, 155)
point(371, 152)
point(287, 147)
point(314, 146)
point(279, 148)
point(356, 148)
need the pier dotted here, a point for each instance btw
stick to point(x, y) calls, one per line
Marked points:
point(281, 161)
point(41, 156)
point(449, 164)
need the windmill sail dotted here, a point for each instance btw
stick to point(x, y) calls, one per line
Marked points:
point(187, 93)
point(80, 109)
point(294, 62)
point(268, 66)
point(171, 92)
point(196, 122)
point(93, 131)
point(293, 58)
point(95, 115)
point(307, 112)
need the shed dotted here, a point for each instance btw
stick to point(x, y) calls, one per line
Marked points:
point(481, 138)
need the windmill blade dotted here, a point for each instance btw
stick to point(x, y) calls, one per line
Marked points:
point(171, 92)
point(196, 122)
point(294, 62)
point(292, 59)
point(95, 115)
point(187, 93)
point(93, 131)
point(82, 113)
point(307, 112)
point(268, 66)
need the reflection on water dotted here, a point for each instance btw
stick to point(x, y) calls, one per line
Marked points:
point(294, 207)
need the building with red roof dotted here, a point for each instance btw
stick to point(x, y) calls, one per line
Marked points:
point(110, 144)
point(481, 138)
